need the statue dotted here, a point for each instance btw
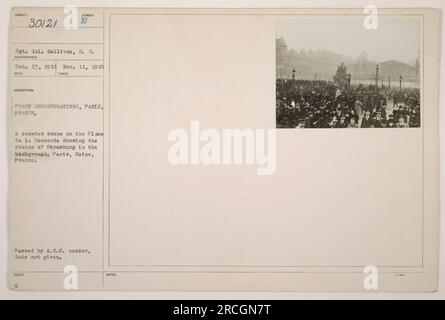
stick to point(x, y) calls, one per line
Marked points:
point(341, 78)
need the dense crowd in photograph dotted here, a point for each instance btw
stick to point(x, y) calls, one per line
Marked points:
point(339, 104)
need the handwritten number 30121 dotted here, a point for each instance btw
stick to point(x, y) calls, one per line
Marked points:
point(42, 23)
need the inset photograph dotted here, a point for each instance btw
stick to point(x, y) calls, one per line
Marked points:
point(335, 73)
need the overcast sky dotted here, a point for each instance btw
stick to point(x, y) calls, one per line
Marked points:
point(395, 38)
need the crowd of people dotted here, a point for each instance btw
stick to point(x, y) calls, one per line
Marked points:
point(322, 104)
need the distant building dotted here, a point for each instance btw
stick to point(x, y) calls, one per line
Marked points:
point(282, 65)
point(323, 64)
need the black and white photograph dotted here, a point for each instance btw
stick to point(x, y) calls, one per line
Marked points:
point(335, 73)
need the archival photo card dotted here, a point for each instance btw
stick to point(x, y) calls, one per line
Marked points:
point(154, 149)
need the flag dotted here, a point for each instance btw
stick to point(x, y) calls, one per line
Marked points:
point(337, 93)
